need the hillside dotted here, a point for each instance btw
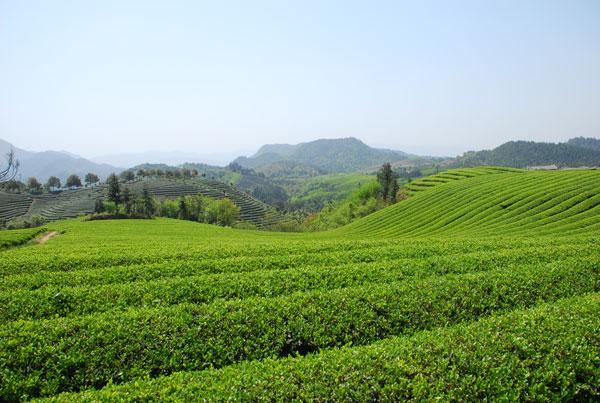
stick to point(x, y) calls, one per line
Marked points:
point(328, 155)
point(73, 203)
point(495, 204)
point(482, 287)
point(61, 164)
point(522, 154)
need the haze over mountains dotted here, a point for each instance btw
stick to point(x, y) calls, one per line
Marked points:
point(42, 165)
point(312, 158)
point(328, 155)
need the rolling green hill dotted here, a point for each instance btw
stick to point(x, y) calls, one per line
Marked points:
point(493, 204)
point(485, 287)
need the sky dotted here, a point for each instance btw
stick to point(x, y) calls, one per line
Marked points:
point(224, 77)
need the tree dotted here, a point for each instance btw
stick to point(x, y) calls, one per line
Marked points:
point(183, 210)
point(98, 206)
point(141, 173)
point(91, 178)
point(73, 181)
point(12, 167)
point(114, 191)
point(33, 185)
point(223, 212)
point(52, 184)
point(127, 176)
point(127, 200)
point(148, 204)
point(13, 186)
point(388, 180)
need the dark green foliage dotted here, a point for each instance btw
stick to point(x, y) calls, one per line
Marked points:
point(521, 154)
point(53, 184)
point(99, 206)
point(34, 186)
point(90, 351)
point(13, 186)
point(114, 190)
point(388, 183)
point(586, 142)
point(73, 181)
point(127, 175)
point(127, 200)
point(549, 353)
point(91, 178)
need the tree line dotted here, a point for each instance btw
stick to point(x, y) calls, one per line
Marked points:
point(123, 203)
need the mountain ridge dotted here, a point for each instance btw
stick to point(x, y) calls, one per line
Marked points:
point(44, 164)
point(329, 155)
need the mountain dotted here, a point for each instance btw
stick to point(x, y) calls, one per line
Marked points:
point(44, 164)
point(327, 155)
point(522, 154)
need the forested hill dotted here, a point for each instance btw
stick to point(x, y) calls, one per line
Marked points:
point(587, 142)
point(328, 155)
point(521, 154)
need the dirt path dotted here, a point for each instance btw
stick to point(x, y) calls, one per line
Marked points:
point(46, 237)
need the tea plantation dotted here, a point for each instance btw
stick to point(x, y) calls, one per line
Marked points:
point(78, 202)
point(484, 287)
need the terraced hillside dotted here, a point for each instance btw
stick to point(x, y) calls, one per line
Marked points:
point(502, 304)
point(251, 209)
point(451, 175)
point(73, 203)
point(509, 203)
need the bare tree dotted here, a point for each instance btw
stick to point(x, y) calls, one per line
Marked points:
point(11, 169)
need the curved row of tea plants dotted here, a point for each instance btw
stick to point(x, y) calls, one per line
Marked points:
point(50, 356)
point(510, 203)
point(546, 353)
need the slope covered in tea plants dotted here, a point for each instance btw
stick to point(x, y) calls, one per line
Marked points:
point(405, 304)
point(500, 204)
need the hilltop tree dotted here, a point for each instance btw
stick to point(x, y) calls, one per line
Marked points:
point(33, 185)
point(141, 173)
point(73, 181)
point(388, 180)
point(91, 178)
point(114, 190)
point(127, 176)
point(12, 167)
point(53, 184)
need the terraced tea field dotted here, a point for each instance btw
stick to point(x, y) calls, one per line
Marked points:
point(483, 287)
point(74, 203)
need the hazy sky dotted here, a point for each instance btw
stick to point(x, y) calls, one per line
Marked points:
point(438, 77)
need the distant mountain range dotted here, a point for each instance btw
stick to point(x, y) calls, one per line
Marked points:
point(44, 164)
point(325, 155)
point(577, 152)
point(315, 158)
